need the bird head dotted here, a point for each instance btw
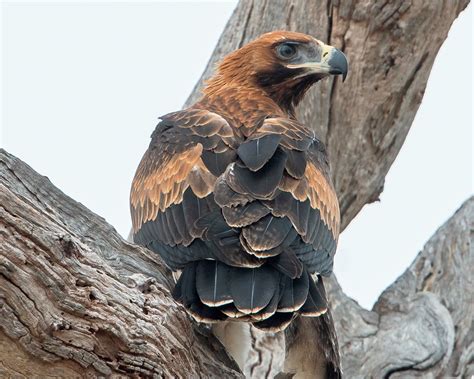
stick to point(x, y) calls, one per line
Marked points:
point(283, 64)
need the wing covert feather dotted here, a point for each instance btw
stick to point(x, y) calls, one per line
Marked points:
point(174, 162)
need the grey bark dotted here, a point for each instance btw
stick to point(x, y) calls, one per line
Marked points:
point(423, 324)
point(76, 300)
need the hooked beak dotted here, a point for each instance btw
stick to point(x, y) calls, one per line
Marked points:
point(332, 62)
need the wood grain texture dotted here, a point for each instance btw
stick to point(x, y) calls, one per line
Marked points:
point(422, 324)
point(76, 299)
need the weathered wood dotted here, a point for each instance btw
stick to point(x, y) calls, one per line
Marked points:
point(75, 295)
point(422, 325)
point(77, 300)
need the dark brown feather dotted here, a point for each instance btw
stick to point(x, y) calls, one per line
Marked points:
point(236, 192)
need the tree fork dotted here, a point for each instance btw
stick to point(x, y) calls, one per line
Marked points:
point(77, 300)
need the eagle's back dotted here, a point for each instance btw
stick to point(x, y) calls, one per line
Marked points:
point(251, 218)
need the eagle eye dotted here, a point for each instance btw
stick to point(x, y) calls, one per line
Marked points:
point(286, 51)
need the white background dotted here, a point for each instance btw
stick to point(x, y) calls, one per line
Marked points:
point(83, 85)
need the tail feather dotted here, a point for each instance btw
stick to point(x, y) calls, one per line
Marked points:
point(264, 296)
point(316, 304)
point(279, 321)
point(212, 283)
point(270, 309)
point(203, 313)
point(185, 290)
point(294, 293)
point(231, 311)
point(252, 289)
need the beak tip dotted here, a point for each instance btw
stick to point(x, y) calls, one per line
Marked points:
point(338, 63)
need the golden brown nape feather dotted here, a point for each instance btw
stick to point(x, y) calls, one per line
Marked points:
point(259, 71)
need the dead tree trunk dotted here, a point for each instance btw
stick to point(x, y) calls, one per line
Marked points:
point(75, 299)
point(422, 325)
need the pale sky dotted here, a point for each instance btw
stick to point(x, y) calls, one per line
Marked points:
point(84, 83)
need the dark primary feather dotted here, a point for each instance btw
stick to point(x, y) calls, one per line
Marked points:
point(288, 263)
point(298, 212)
point(266, 234)
point(270, 308)
point(275, 323)
point(185, 289)
point(295, 163)
point(218, 162)
point(225, 196)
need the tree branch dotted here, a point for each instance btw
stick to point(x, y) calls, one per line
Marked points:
point(76, 299)
point(422, 324)
point(74, 294)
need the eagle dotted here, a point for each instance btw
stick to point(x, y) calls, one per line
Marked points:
point(235, 193)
